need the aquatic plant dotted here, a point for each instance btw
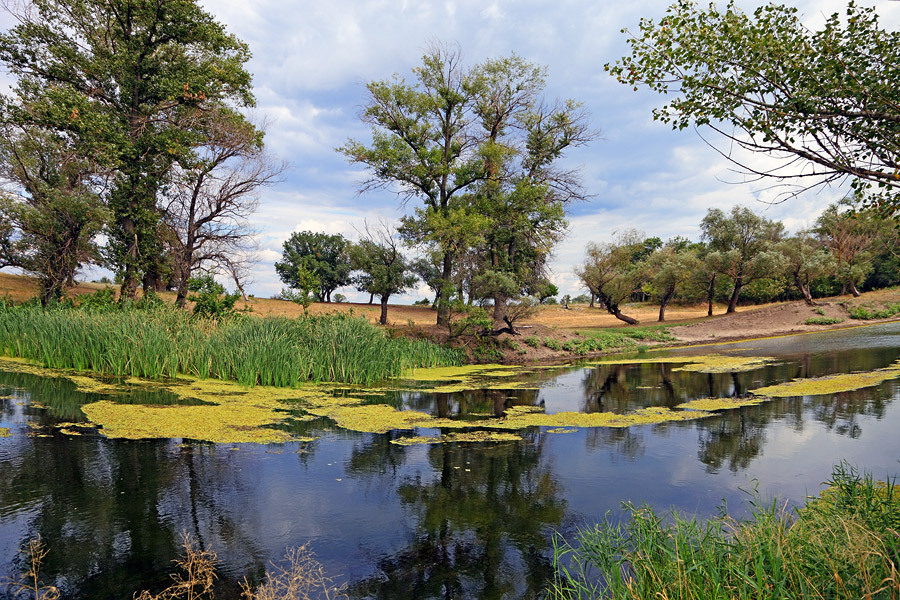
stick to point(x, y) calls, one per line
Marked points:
point(165, 342)
point(840, 546)
point(829, 384)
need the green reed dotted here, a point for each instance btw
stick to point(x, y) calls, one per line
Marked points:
point(164, 342)
point(842, 545)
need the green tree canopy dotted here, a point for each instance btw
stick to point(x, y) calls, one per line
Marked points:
point(825, 101)
point(612, 271)
point(323, 256)
point(383, 270)
point(741, 246)
point(117, 77)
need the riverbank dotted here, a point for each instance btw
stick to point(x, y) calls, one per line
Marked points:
point(554, 334)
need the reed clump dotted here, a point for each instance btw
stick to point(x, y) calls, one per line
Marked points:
point(841, 545)
point(163, 342)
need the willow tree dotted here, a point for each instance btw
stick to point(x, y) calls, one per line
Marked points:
point(741, 247)
point(613, 271)
point(825, 102)
point(116, 75)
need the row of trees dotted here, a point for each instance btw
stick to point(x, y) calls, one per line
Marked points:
point(127, 120)
point(741, 250)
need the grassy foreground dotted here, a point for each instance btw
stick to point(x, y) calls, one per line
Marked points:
point(841, 545)
point(164, 342)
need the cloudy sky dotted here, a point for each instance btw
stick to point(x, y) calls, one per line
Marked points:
point(311, 61)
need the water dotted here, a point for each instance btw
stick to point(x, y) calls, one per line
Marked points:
point(455, 520)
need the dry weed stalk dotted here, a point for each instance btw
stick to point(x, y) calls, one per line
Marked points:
point(196, 577)
point(30, 585)
point(299, 577)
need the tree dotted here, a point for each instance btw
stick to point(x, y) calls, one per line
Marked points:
point(117, 76)
point(805, 260)
point(611, 271)
point(824, 102)
point(52, 215)
point(669, 270)
point(211, 196)
point(849, 236)
point(477, 147)
point(324, 256)
point(383, 268)
point(424, 142)
point(740, 246)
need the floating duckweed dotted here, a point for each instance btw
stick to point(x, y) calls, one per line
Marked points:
point(458, 373)
point(709, 363)
point(5, 432)
point(468, 437)
point(562, 430)
point(710, 404)
point(830, 384)
point(70, 431)
point(643, 416)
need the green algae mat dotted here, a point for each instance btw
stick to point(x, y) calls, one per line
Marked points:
point(226, 412)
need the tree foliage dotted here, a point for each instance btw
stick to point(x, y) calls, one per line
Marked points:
point(478, 147)
point(117, 77)
point(613, 271)
point(325, 257)
point(825, 102)
point(741, 246)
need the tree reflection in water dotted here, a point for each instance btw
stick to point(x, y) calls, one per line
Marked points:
point(482, 522)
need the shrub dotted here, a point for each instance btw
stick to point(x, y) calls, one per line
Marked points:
point(822, 321)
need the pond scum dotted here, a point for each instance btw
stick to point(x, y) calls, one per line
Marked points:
point(225, 412)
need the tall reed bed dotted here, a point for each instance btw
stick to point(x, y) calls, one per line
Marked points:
point(843, 545)
point(165, 342)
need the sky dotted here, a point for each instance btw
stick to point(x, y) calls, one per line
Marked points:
point(311, 61)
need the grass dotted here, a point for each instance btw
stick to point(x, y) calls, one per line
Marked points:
point(841, 545)
point(865, 313)
point(164, 342)
point(823, 321)
point(599, 340)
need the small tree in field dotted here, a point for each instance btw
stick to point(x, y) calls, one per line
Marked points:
point(668, 272)
point(612, 272)
point(324, 256)
point(383, 270)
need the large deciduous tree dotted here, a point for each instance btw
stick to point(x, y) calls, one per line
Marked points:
point(741, 247)
point(212, 194)
point(325, 257)
point(477, 146)
point(117, 76)
point(805, 260)
point(850, 237)
point(825, 100)
point(669, 270)
point(50, 213)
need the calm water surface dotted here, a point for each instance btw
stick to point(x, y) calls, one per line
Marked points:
point(446, 521)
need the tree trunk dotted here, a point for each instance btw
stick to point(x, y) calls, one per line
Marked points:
point(384, 306)
point(617, 314)
point(853, 290)
point(732, 304)
point(499, 311)
point(664, 302)
point(710, 294)
point(372, 298)
point(807, 297)
point(443, 312)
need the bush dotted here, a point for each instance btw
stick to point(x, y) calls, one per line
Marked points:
point(533, 341)
point(822, 321)
point(211, 300)
point(866, 314)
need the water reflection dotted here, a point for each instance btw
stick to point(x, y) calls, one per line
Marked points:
point(482, 520)
point(459, 520)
